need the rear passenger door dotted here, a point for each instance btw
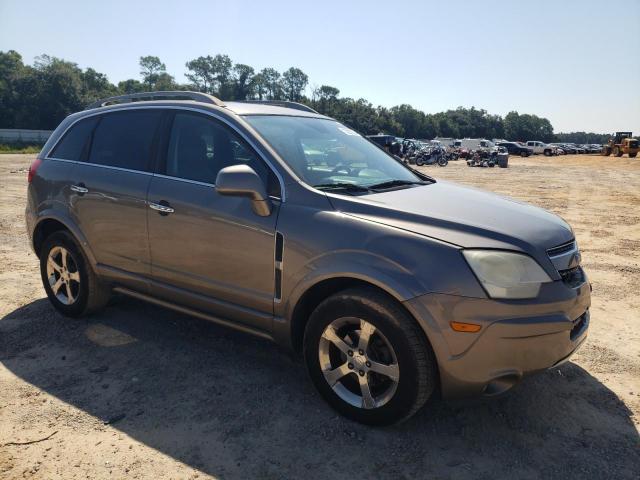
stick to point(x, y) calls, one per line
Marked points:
point(211, 252)
point(109, 193)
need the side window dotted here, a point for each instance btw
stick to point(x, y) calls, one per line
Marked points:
point(124, 139)
point(75, 142)
point(199, 147)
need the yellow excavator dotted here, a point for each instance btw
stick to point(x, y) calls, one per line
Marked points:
point(622, 143)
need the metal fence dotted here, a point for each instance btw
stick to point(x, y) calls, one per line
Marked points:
point(12, 135)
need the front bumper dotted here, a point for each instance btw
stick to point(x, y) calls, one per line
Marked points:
point(517, 337)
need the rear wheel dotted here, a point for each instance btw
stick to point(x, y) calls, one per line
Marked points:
point(368, 358)
point(524, 154)
point(70, 283)
point(419, 161)
point(633, 155)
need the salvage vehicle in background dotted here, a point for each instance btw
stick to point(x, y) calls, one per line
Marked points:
point(566, 148)
point(515, 148)
point(621, 143)
point(541, 148)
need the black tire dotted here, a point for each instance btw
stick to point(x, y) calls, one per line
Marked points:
point(524, 154)
point(91, 294)
point(633, 155)
point(443, 162)
point(548, 153)
point(419, 161)
point(415, 359)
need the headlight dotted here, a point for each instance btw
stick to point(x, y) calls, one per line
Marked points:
point(506, 274)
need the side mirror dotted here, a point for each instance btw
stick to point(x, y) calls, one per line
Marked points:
point(243, 181)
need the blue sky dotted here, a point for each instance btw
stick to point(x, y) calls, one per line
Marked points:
point(575, 62)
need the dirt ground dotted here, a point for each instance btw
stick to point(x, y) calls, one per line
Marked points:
point(140, 392)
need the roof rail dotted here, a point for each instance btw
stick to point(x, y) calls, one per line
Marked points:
point(281, 103)
point(162, 95)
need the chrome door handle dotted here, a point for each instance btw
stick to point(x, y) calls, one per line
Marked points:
point(162, 209)
point(79, 189)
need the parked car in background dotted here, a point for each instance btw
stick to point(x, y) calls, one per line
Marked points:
point(579, 149)
point(514, 148)
point(566, 148)
point(382, 140)
point(541, 148)
point(593, 148)
point(284, 223)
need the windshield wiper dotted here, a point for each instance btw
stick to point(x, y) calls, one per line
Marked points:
point(394, 183)
point(349, 187)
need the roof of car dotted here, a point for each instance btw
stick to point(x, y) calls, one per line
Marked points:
point(244, 107)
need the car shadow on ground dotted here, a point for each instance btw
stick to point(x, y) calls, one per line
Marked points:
point(235, 406)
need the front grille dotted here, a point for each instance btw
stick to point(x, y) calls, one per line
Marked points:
point(572, 277)
point(560, 249)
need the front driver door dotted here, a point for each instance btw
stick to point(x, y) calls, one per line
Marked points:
point(210, 252)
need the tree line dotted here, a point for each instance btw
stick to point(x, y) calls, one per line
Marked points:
point(39, 96)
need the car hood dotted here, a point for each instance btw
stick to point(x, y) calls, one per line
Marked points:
point(463, 216)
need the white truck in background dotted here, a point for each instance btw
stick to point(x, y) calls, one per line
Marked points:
point(542, 148)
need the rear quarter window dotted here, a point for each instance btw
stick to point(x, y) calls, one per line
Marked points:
point(125, 139)
point(75, 142)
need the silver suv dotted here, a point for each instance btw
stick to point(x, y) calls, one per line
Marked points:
point(273, 219)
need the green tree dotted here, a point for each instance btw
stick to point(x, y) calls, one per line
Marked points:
point(527, 127)
point(243, 82)
point(11, 70)
point(96, 85)
point(325, 99)
point(294, 81)
point(202, 73)
point(212, 75)
point(131, 86)
point(270, 79)
point(150, 68)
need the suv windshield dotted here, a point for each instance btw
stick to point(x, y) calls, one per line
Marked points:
point(328, 155)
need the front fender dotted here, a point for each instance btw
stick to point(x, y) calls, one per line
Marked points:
point(368, 267)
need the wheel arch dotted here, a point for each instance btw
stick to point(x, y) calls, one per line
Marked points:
point(323, 289)
point(48, 224)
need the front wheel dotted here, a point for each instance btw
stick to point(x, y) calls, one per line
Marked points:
point(419, 161)
point(633, 155)
point(443, 162)
point(70, 283)
point(368, 358)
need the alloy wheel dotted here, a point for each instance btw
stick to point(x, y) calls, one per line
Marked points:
point(63, 275)
point(358, 362)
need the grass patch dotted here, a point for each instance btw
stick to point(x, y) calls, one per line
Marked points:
point(20, 147)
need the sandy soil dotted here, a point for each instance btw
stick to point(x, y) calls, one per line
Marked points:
point(140, 392)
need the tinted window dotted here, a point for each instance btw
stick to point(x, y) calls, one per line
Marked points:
point(74, 143)
point(124, 139)
point(199, 147)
